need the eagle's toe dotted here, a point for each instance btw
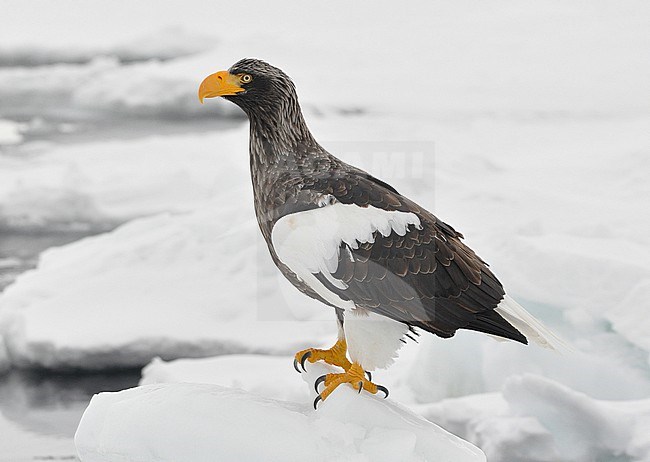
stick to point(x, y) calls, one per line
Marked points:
point(355, 376)
point(336, 356)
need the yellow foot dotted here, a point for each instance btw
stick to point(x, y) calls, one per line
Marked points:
point(336, 356)
point(355, 376)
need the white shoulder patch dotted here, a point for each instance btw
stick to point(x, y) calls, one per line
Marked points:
point(309, 242)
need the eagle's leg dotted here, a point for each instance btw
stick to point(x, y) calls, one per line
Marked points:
point(355, 376)
point(336, 356)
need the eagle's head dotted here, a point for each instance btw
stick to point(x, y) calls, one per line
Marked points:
point(253, 85)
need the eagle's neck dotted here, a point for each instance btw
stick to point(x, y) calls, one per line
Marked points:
point(283, 153)
point(279, 135)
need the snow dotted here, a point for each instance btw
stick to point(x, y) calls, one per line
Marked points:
point(530, 418)
point(9, 132)
point(144, 89)
point(536, 419)
point(112, 182)
point(105, 89)
point(201, 422)
point(163, 44)
point(171, 285)
point(270, 376)
point(625, 318)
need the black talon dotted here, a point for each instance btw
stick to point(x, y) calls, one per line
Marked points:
point(303, 359)
point(295, 365)
point(384, 389)
point(318, 398)
point(319, 380)
point(369, 376)
point(360, 387)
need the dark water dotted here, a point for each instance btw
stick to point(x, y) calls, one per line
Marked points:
point(32, 398)
point(44, 408)
point(62, 129)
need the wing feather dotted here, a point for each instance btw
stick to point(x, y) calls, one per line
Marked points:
point(421, 273)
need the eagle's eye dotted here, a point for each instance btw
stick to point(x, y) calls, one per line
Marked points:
point(245, 78)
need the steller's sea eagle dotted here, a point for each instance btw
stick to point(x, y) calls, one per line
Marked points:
point(350, 240)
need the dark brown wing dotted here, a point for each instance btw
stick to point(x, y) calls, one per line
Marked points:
point(427, 278)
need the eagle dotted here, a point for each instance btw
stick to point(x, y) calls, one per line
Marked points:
point(387, 266)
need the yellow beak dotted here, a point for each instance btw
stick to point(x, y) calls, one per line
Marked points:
point(221, 83)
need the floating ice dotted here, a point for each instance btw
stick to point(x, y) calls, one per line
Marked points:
point(536, 419)
point(200, 422)
point(9, 132)
point(182, 285)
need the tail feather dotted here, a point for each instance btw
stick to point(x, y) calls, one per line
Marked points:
point(491, 323)
point(528, 325)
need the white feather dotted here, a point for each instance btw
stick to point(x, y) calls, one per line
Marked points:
point(373, 340)
point(528, 325)
point(309, 242)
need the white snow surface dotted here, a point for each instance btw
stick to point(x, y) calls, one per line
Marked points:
point(535, 419)
point(270, 376)
point(114, 181)
point(627, 320)
point(183, 285)
point(9, 132)
point(529, 419)
point(204, 422)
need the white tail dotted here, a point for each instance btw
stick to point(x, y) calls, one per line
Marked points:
point(528, 325)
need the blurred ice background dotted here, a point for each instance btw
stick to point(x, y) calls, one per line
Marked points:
point(540, 117)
